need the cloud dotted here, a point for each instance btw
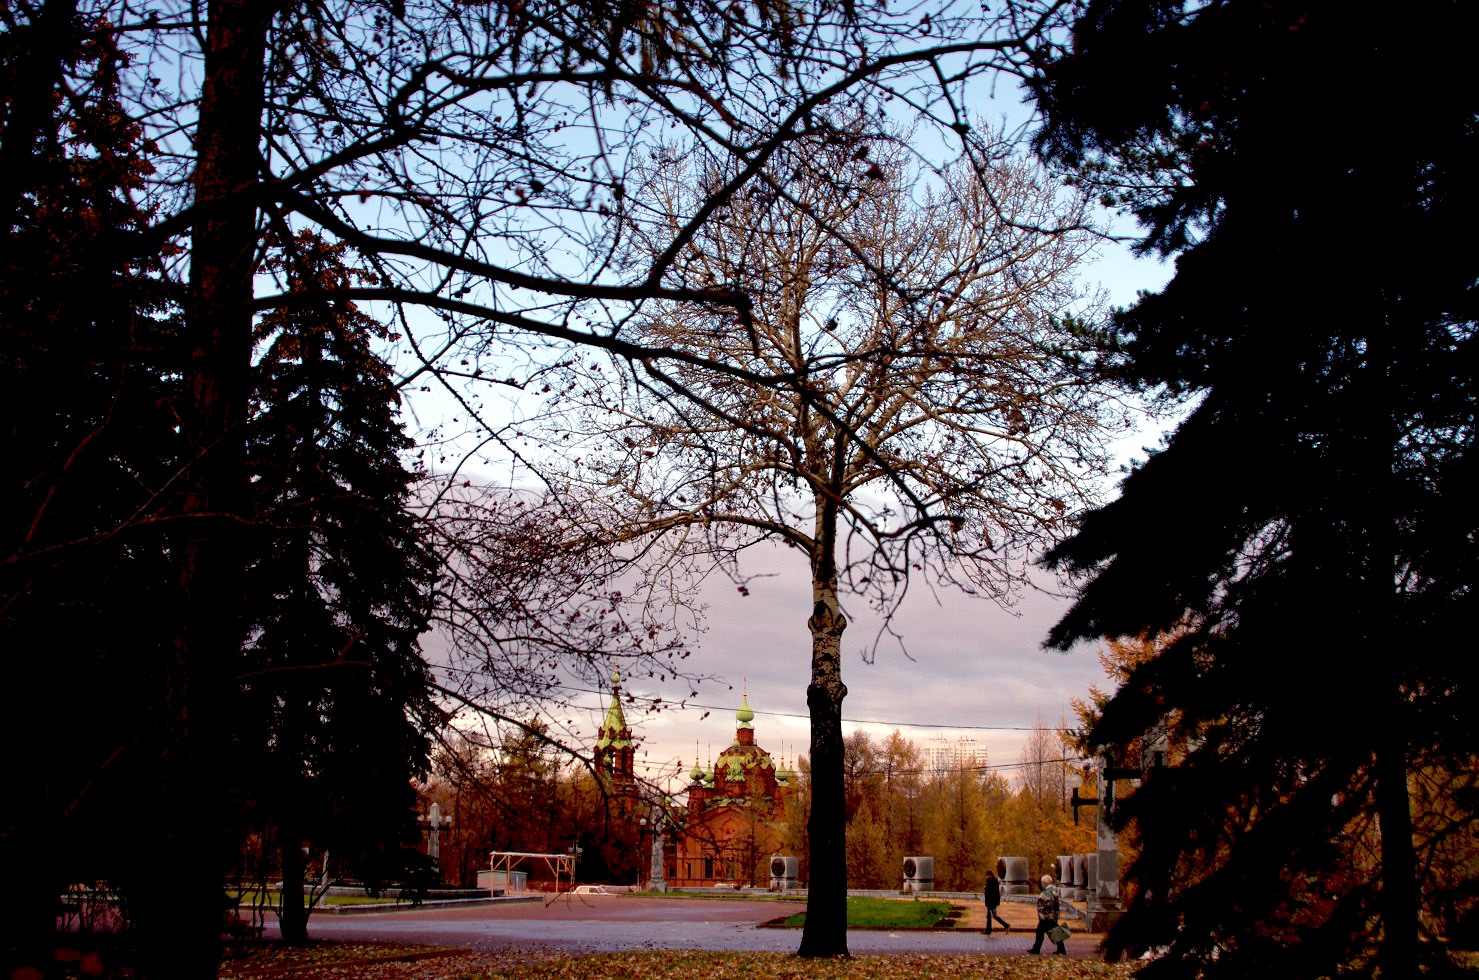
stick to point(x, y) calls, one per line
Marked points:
point(971, 669)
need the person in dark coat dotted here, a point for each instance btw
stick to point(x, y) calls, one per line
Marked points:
point(993, 902)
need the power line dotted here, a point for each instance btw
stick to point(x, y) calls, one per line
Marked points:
point(677, 768)
point(803, 717)
point(683, 704)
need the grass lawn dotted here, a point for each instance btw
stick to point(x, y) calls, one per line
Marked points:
point(888, 913)
point(359, 900)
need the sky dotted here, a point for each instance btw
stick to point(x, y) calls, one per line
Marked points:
point(972, 669)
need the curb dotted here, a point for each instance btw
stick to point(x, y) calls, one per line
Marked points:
point(409, 906)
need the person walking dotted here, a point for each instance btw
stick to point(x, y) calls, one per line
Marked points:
point(993, 902)
point(1047, 918)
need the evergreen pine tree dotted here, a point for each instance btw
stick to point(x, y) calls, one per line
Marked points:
point(340, 587)
point(89, 448)
point(1309, 521)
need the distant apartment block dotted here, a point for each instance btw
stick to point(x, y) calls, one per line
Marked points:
point(943, 754)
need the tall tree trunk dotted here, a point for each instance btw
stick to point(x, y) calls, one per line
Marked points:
point(1399, 899)
point(1399, 894)
point(825, 932)
point(293, 918)
point(291, 795)
point(180, 918)
point(1383, 435)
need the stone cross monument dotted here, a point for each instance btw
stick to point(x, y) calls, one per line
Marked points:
point(1104, 907)
point(656, 882)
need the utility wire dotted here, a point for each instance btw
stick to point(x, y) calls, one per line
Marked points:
point(630, 697)
point(792, 714)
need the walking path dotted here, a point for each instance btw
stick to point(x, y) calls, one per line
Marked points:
point(614, 923)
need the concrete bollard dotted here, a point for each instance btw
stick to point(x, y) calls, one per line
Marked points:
point(1077, 890)
point(1013, 874)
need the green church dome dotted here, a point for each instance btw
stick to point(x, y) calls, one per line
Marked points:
point(745, 714)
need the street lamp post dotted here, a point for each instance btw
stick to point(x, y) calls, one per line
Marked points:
point(641, 845)
point(575, 851)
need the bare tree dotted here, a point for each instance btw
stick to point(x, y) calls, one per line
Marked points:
point(937, 430)
point(1039, 819)
point(1043, 769)
point(531, 609)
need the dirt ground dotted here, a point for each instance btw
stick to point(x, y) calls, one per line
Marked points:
point(1021, 916)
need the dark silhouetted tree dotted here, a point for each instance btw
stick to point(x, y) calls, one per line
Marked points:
point(1309, 521)
point(88, 380)
point(335, 707)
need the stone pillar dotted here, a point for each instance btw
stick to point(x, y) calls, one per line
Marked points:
point(1091, 868)
point(1105, 908)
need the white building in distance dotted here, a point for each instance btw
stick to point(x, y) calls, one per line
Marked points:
point(944, 755)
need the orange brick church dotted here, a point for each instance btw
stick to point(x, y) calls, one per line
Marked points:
point(734, 820)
